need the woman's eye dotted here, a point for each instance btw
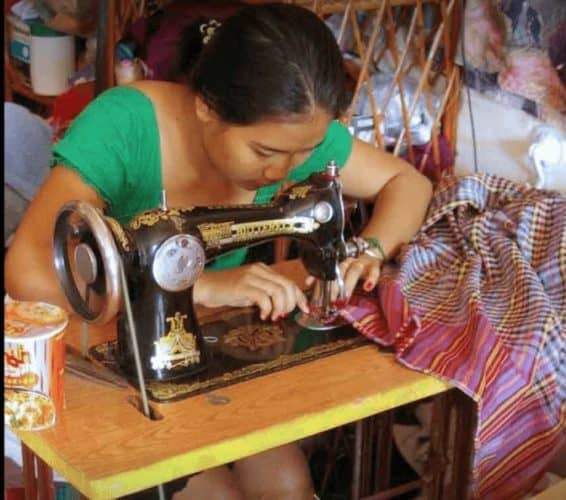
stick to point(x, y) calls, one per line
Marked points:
point(262, 154)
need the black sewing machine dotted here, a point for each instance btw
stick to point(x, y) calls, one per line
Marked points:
point(161, 253)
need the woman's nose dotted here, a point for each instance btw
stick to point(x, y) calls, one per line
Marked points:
point(277, 171)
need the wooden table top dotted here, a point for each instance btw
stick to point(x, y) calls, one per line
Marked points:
point(107, 448)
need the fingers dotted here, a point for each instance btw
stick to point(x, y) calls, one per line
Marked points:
point(372, 278)
point(259, 297)
point(301, 300)
point(353, 269)
point(364, 268)
point(275, 295)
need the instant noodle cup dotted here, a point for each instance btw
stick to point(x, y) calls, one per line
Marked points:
point(34, 362)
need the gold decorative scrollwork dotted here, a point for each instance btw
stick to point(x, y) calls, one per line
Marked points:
point(151, 217)
point(299, 192)
point(118, 232)
point(177, 348)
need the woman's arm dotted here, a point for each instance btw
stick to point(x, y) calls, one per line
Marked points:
point(400, 193)
point(401, 196)
point(29, 271)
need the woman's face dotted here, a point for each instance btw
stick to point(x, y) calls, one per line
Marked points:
point(256, 155)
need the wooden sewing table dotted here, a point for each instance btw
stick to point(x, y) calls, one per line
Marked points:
point(106, 448)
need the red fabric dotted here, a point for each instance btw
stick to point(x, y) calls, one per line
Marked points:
point(68, 105)
point(157, 40)
point(424, 159)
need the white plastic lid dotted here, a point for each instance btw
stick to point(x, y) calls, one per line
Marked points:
point(31, 321)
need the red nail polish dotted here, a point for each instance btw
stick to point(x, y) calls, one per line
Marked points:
point(368, 286)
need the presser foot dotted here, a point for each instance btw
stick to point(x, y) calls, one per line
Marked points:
point(320, 323)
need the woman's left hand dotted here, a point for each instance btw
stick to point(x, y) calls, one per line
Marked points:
point(364, 267)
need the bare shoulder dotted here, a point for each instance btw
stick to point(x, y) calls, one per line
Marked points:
point(161, 93)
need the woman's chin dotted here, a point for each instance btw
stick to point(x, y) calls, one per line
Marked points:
point(252, 185)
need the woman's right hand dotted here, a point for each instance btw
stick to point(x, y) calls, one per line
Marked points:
point(275, 295)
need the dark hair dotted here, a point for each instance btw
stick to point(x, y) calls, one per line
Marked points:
point(270, 60)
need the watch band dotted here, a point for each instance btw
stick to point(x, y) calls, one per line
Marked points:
point(375, 249)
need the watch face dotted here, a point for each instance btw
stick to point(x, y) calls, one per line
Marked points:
point(178, 262)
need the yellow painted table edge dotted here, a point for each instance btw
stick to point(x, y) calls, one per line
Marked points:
point(233, 449)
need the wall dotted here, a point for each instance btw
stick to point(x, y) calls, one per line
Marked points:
point(502, 138)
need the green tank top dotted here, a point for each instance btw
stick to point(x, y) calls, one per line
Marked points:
point(113, 144)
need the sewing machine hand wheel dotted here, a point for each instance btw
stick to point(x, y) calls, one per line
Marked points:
point(87, 262)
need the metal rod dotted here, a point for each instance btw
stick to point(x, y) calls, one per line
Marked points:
point(340, 283)
point(84, 326)
point(134, 340)
point(135, 348)
point(163, 200)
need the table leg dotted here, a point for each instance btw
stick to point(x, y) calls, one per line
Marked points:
point(30, 484)
point(435, 472)
point(38, 476)
point(372, 455)
point(384, 450)
point(357, 466)
point(368, 451)
point(46, 487)
point(451, 442)
point(336, 435)
point(465, 422)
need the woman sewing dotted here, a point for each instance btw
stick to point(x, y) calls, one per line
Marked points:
point(260, 104)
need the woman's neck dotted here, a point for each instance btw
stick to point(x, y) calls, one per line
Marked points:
point(188, 174)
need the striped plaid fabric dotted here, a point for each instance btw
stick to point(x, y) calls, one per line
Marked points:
point(479, 299)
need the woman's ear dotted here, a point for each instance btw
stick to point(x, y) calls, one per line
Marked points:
point(204, 112)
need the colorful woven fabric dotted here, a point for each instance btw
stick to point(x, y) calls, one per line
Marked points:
point(479, 299)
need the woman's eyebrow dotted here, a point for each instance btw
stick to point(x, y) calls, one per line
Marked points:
point(275, 150)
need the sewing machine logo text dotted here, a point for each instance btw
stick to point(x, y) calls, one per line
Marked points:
point(177, 348)
point(215, 235)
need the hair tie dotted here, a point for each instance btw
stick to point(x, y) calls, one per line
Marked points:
point(207, 30)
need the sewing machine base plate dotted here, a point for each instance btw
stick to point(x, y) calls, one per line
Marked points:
point(240, 346)
point(311, 323)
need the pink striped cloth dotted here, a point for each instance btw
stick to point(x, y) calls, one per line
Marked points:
point(478, 298)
